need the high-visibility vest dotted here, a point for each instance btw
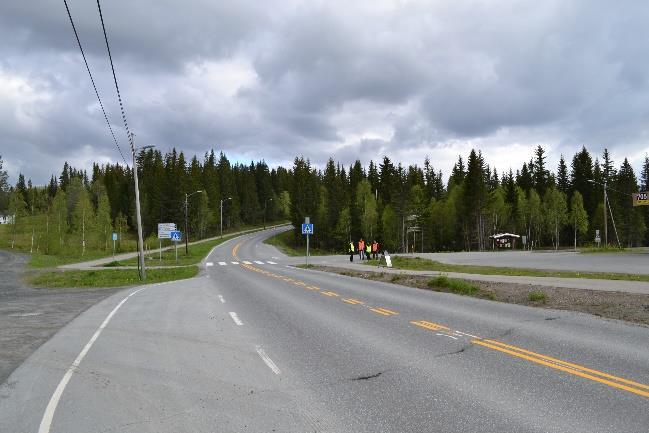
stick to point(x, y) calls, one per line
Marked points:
point(351, 247)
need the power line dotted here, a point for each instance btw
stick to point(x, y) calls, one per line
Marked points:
point(93, 81)
point(119, 96)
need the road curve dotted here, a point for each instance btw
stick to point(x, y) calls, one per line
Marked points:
point(254, 345)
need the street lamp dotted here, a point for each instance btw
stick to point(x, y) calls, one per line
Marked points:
point(138, 214)
point(605, 216)
point(222, 200)
point(265, 204)
point(186, 229)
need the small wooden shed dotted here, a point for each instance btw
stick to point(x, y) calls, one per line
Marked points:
point(504, 240)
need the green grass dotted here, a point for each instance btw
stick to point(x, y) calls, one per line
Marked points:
point(108, 278)
point(595, 250)
point(536, 296)
point(419, 264)
point(459, 287)
point(284, 242)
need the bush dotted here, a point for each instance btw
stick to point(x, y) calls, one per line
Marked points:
point(459, 287)
point(536, 296)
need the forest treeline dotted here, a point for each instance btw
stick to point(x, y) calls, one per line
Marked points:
point(399, 206)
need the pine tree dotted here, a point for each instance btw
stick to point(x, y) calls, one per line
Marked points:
point(631, 226)
point(580, 175)
point(540, 173)
point(563, 182)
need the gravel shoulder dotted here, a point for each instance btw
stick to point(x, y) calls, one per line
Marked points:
point(30, 316)
point(631, 307)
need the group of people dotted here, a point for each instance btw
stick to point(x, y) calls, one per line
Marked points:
point(366, 250)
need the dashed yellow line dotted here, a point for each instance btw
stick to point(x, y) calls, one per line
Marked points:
point(352, 301)
point(384, 311)
point(330, 294)
point(430, 325)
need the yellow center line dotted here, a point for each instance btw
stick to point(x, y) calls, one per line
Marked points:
point(430, 325)
point(568, 364)
point(330, 294)
point(390, 312)
point(562, 368)
point(352, 301)
point(380, 312)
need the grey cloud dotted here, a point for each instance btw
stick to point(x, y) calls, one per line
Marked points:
point(557, 73)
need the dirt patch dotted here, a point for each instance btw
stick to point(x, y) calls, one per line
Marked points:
point(631, 307)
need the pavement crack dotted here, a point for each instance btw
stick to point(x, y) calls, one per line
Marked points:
point(371, 376)
point(454, 352)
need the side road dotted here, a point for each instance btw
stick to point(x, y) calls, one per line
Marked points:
point(119, 257)
point(341, 261)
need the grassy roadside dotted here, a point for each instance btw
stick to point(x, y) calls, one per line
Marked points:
point(632, 307)
point(107, 277)
point(419, 264)
point(197, 252)
point(283, 242)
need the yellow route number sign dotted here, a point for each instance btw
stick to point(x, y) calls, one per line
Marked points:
point(640, 198)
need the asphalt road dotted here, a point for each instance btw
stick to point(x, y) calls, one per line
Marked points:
point(257, 346)
point(30, 316)
point(625, 263)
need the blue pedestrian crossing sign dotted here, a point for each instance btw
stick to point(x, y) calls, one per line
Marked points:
point(175, 236)
point(307, 229)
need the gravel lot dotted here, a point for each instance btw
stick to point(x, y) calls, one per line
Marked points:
point(30, 316)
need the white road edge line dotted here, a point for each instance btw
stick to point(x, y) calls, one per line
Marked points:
point(221, 299)
point(236, 318)
point(48, 416)
point(269, 362)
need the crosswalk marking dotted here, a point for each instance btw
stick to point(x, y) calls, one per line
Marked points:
point(259, 262)
point(246, 262)
point(271, 263)
point(208, 264)
point(222, 263)
point(235, 263)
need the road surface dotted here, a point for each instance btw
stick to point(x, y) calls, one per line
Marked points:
point(252, 345)
point(624, 263)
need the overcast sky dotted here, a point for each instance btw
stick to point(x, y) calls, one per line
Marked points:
point(345, 79)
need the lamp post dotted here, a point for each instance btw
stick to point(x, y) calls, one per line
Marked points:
point(605, 216)
point(186, 229)
point(222, 200)
point(137, 209)
point(265, 204)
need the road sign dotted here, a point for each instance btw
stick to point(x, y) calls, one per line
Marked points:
point(165, 229)
point(114, 236)
point(175, 236)
point(640, 198)
point(307, 229)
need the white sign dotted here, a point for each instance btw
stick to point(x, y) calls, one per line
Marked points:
point(165, 229)
point(114, 236)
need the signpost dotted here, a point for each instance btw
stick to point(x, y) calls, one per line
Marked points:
point(164, 232)
point(307, 229)
point(597, 238)
point(114, 239)
point(175, 237)
point(640, 198)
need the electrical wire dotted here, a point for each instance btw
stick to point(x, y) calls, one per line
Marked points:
point(76, 35)
point(112, 67)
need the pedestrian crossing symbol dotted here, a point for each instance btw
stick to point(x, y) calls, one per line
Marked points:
point(175, 236)
point(307, 229)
